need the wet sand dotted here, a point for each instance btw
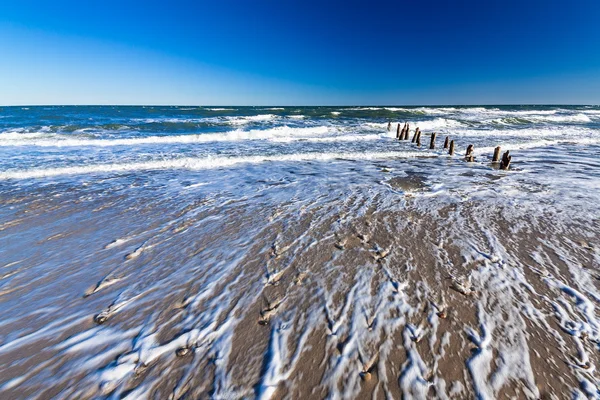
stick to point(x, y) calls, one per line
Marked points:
point(375, 288)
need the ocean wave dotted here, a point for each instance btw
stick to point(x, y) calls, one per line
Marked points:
point(538, 144)
point(193, 163)
point(364, 108)
point(437, 124)
point(250, 119)
point(58, 140)
point(20, 134)
point(331, 139)
point(231, 120)
point(536, 119)
point(560, 118)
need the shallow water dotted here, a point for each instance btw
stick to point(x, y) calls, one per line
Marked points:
point(298, 252)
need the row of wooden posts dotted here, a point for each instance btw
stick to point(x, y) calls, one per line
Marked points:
point(402, 134)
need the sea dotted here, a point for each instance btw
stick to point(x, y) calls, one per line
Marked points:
point(299, 252)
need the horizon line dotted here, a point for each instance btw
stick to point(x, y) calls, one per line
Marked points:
point(312, 105)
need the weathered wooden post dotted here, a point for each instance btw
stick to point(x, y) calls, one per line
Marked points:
point(419, 139)
point(406, 131)
point(432, 142)
point(398, 131)
point(469, 155)
point(505, 164)
point(451, 152)
point(496, 157)
point(389, 126)
point(447, 142)
point(414, 139)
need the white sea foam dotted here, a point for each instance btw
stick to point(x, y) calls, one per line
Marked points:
point(192, 163)
point(438, 124)
point(250, 119)
point(61, 140)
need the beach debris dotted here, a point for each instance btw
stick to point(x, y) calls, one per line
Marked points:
point(451, 151)
point(469, 154)
point(496, 157)
point(116, 242)
point(269, 310)
point(586, 365)
point(140, 368)
point(368, 366)
point(441, 308)
point(380, 253)
point(115, 307)
point(273, 278)
point(462, 286)
point(277, 250)
point(298, 279)
point(447, 142)
point(274, 250)
point(364, 237)
point(341, 244)
point(365, 376)
point(180, 304)
point(101, 317)
point(135, 253)
point(397, 285)
point(506, 158)
point(371, 323)
point(416, 332)
point(106, 282)
point(432, 142)
point(183, 351)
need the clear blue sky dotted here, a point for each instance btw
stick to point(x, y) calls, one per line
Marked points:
point(267, 52)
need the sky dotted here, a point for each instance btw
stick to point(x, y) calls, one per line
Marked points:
point(267, 52)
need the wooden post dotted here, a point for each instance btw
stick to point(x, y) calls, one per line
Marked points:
point(414, 139)
point(451, 152)
point(496, 155)
point(469, 155)
point(406, 131)
point(398, 131)
point(432, 142)
point(389, 126)
point(505, 164)
point(419, 139)
point(447, 142)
